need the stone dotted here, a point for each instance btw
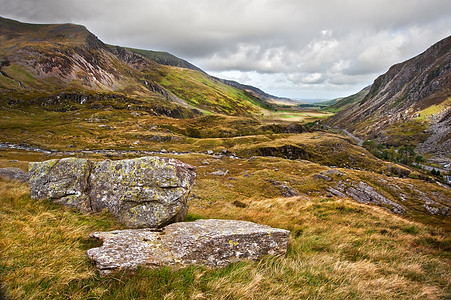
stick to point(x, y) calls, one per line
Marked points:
point(212, 243)
point(240, 204)
point(220, 173)
point(141, 192)
point(364, 193)
point(64, 181)
point(14, 174)
point(285, 190)
point(322, 177)
point(332, 172)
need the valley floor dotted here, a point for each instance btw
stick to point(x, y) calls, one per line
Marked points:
point(338, 247)
point(394, 244)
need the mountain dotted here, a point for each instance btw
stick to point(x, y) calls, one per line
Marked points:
point(167, 59)
point(408, 105)
point(340, 104)
point(65, 61)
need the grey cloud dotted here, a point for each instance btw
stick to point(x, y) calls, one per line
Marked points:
point(304, 45)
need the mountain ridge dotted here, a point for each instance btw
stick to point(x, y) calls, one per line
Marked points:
point(407, 104)
point(39, 60)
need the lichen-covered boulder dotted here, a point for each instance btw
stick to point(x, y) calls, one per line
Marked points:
point(148, 191)
point(213, 243)
point(14, 174)
point(141, 192)
point(64, 181)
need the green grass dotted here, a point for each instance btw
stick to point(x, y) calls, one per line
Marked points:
point(409, 133)
point(425, 114)
point(200, 90)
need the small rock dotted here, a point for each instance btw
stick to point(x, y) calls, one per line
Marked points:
point(285, 190)
point(14, 174)
point(336, 192)
point(238, 203)
point(322, 177)
point(220, 173)
point(332, 172)
point(210, 152)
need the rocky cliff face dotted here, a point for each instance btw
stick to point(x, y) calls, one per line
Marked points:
point(410, 104)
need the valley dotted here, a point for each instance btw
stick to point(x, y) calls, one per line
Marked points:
point(362, 226)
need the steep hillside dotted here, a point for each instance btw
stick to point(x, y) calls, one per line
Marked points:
point(408, 105)
point(343, 103)
point(165, 58)
point(44, 61)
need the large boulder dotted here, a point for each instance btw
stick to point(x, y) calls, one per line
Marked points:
point(64, 181)
point(211, 243)
point(14, 174)
point(141, 192)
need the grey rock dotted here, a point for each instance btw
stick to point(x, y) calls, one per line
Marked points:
point(285, 190)
point(336, 192)
point(364, 193)
point(212, 243)
point(64, 181)
point(332, 172)
point(220, 173)
point(141, 192)
point(322, 177)
point(14, 174)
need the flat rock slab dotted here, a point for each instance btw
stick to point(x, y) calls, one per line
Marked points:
point(212, 243)
point(149, 191)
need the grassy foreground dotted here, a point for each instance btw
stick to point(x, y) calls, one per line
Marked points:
point(338, 250)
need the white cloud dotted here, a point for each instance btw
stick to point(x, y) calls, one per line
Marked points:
point(291, 47)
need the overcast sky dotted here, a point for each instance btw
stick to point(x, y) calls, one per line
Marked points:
point(294, 48)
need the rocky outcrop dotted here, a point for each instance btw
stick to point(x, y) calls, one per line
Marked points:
point(213, 243)
point(364, 193)
point(141, 192)
point(13, 174)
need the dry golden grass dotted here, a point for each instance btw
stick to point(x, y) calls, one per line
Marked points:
point(355, 251)
point(339, 249)
point(43, 245)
